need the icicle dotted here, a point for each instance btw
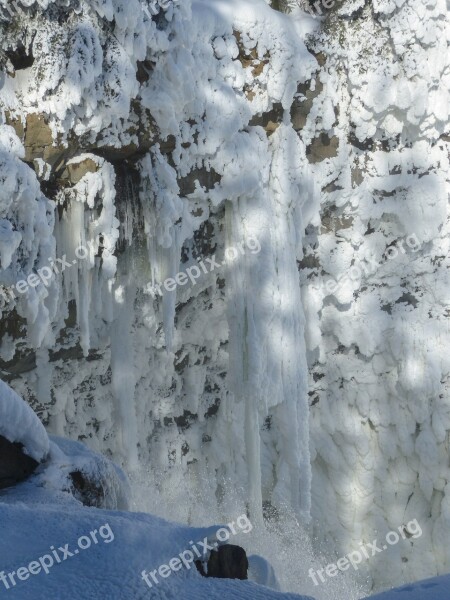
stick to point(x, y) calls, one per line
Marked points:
point(123, 363)
point(268, 370)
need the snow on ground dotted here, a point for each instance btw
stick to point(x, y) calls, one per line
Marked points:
point(112, 568)
point(437, 588)
point(52, 546)
point(92, 553)
point(88, 553)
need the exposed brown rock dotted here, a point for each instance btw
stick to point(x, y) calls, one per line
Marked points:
point(322, 147)
point(20, 57)
point(144, 68)
point(75, 172)
point(302, 105)
point(271, 120)
point(38, 140)
point(206, 178)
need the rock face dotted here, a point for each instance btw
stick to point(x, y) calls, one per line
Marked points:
point(228, 562)
point(15, 465)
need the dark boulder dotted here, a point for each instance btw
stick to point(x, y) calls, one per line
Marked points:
point(15, 465)
point(227, 562)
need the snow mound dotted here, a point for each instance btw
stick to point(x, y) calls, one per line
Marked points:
point(18, 423)
point(100, 553)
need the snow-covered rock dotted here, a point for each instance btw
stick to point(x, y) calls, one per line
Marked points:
point(65, 466)
point(19, 423)
point(91, 478)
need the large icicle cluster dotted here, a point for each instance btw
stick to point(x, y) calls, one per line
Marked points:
point(163, 138)
point(25, 235)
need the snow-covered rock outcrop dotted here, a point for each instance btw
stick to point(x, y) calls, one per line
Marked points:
point(19, 423)
point(66, 468)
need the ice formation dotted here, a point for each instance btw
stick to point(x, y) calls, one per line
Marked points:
point(153, 141)
point(195, 98)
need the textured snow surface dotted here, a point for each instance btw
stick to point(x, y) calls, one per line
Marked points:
point(18, 423)
point(26, 227)
point(37, 517)
point(108, 571)
point(430, 589)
